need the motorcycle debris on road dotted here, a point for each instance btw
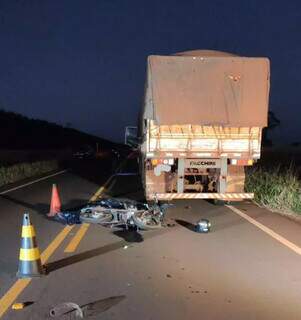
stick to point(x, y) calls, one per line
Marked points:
point(115, 212)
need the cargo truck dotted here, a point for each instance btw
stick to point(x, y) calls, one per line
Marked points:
point(201, 124)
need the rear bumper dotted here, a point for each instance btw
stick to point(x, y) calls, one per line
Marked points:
point(219, 196)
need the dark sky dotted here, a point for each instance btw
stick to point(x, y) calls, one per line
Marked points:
point(83, 62)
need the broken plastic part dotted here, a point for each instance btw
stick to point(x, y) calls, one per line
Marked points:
point(65, 308)
point(21, 305)
point(18, 306)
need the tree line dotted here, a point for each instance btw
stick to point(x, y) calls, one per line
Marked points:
point(20, 132)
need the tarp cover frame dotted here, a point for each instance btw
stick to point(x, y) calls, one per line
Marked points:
point(228, 91)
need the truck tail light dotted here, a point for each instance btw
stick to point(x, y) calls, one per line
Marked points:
point(162, 161)
point(242, 162)
point(154, 162)
point(250, 162)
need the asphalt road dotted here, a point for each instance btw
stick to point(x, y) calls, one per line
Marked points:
point(238, 271)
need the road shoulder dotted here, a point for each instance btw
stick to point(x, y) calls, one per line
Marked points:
point(28, 181)
point(287, 228)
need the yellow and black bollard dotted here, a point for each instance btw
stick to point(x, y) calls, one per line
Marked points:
point(29, 261)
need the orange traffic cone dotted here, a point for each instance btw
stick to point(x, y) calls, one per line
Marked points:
point(29, 261)
point(55, 205)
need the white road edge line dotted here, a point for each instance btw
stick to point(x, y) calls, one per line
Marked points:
point(32, 182)
point(267, 230)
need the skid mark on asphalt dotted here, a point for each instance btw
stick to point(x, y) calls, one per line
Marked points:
point(267, 230)
point(17, 288)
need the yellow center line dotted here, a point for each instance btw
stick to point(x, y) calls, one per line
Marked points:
point(54, 244)
point(16, 289)
point(98, 193)
point(73, 244)
point(12, 294)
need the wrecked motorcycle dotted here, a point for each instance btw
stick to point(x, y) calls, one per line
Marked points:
point(115, 212)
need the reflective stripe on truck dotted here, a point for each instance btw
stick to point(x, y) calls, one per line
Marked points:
point(220, 196)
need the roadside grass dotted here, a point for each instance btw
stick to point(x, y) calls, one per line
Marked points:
point(276, 188)
point(22, 171)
